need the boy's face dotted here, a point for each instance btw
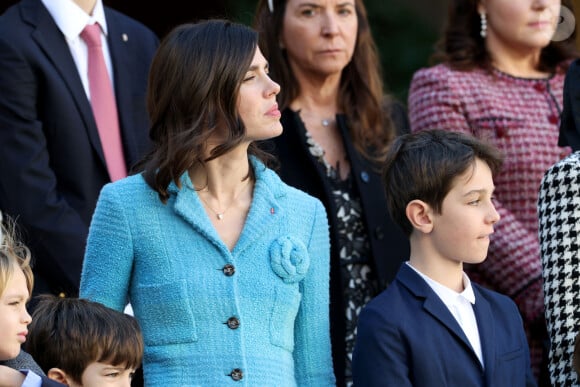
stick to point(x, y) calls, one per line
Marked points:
point(461, 231)
point(101, 374)
point(14, 318)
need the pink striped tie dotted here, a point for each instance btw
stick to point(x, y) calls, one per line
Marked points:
point(103, 104)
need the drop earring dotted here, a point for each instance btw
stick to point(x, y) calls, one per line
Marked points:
point(483, 30)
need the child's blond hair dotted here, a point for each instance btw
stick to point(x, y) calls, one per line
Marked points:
point(13, 255)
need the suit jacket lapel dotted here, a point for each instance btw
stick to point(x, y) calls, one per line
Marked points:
point(486, 327)
point(433, 305)
point(51, 41)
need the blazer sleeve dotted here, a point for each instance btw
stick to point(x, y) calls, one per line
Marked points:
point(28, 186)
point(312, 351)
point(434, 103)
point(559, 232)
point(109, 255)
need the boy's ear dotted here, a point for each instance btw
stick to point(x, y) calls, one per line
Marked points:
point(58, 375)
point(419, 214)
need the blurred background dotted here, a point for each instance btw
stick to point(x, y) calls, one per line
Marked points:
point(405, 30)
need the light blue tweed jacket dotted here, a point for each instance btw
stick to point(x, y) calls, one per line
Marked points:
point(169, 262)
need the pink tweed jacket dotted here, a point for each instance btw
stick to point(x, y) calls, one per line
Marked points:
point(521, 117)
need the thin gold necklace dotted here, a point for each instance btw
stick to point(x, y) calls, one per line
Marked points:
point(220, 214)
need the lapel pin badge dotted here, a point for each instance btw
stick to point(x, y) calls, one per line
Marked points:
point(125, 37)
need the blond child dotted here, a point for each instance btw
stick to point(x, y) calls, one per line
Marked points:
point(16, 367)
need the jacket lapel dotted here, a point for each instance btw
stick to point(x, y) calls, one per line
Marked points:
point(188, 205)
point(265, 201)
point(51, 41)
point(486, 327)
point(434, 306)
point(265, 210)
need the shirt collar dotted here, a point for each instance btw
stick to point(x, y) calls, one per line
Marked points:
point(447, 295)
point(71, 19)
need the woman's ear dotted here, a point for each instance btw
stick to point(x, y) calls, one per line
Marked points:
point(58, 375)
point(419, 214)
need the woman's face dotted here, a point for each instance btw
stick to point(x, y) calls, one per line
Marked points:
point(257, 105)
point(519, 25)
point(319, 35)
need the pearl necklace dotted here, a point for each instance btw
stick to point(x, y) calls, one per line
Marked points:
point(220, 214)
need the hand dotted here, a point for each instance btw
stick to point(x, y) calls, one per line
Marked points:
point(10, 377)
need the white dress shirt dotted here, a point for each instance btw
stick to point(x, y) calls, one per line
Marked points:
point(461, 307)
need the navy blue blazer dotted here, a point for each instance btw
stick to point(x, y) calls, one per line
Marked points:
point(52, 162)
point(408, 337)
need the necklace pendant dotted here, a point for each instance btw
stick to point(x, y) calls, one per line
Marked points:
point(325, 122)
point(220, 215)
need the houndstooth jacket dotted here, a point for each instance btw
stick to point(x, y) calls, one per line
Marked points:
point(559, 231)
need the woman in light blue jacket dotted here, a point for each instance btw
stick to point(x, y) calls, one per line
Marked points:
point(225, 266)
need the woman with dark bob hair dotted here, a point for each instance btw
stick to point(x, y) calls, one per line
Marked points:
point(338, 124)
point(500, 78)
point(225, 266)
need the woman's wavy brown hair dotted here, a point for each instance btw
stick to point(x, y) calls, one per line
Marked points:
point(463, 48)
point(361, 95)
point(192, 94)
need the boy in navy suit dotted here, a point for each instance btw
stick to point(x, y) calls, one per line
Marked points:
point(432, 326)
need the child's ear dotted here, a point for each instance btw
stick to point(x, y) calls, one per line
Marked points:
point(419, 214)
point(58, 375)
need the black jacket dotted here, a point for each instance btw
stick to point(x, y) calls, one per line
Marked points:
point(53, 166)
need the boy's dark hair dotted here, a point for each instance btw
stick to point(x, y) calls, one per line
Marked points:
point(72, 333)
point(424, 165)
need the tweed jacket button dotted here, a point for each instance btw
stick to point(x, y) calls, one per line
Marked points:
point(229, 270)
point(233, 323)
point(237, 374)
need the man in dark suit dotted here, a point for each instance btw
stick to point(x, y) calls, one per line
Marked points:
point(51, 156)
point(432, 326)
point(570, 119)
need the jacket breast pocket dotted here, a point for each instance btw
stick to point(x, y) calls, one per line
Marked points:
point(283, 316)
point(164, 314)
point(498, 127)
point(511, 367)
